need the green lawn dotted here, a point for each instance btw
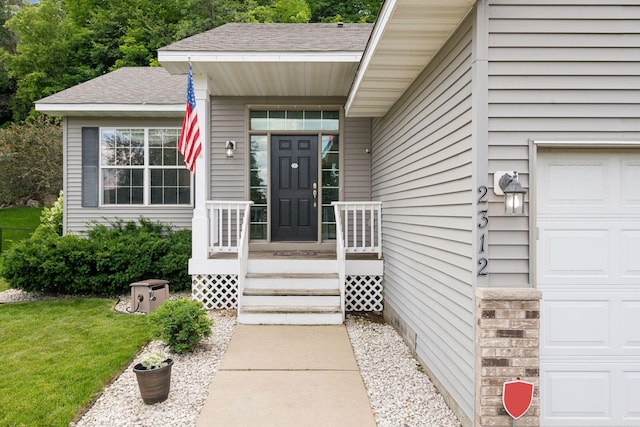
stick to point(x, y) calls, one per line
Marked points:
point(18, 224)
point(26, 219)
point(57, 355)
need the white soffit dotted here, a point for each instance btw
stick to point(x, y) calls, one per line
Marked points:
point(406, 36)
point(269, 73)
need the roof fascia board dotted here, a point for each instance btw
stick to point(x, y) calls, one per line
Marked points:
point(205, 57)
point(110, 107)
point(388, 8)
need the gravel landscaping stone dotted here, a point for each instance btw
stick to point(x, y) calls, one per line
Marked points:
point(400, 393)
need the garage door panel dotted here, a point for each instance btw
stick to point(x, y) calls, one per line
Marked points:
point(631, 404)
point(576, 324)
point(569, 393)
point(630, 312)
point(582, 183)
point(630, 261)
point(590, 394)
point(576, 252)
point(630, 193)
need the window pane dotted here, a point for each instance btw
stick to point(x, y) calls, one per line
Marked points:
point(259, 120)
point(330, 161)
point(259, 196)
point(155, 156)
point(329, 195)
point(184, 196)
point(156, 177)
point(294, 120)
point(184, 178)
point(330, 179)
point(258, 231)
point(259, 178)
point(137, 195)
point(156, 196)
point(123, 196)
point(137, 178)
point(170, 196)
point(328, 231)
point(170, 157)
point(259, 143)
point(328, 214)
point(330, 120)
point(276, 120)
point(258, 214)
point(313, 120)
point(170, 177)
point(137, 156)
point(330, 143)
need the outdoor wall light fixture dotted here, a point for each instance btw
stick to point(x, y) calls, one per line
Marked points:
point(230, 146)
point(507, 184)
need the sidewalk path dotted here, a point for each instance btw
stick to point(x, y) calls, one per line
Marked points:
point(288, 376)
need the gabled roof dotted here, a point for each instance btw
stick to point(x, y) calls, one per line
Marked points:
point(149, 91)
point(406, 36)
point(272, 59)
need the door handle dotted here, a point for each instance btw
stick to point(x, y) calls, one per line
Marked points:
point(315, 195)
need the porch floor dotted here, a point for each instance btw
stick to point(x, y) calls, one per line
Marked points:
point(295, 255)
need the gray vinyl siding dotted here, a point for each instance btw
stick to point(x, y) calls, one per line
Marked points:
point(77, 217)
point(422, 172)
point(229, 121)
point(356, 168)
point(563, 71)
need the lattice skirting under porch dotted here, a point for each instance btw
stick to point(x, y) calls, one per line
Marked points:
point(363, 293)
point(215, 291)
point(220, 291)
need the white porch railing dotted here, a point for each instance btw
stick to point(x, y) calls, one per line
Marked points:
point(227, 222)
point(358, 230)
point(360, 224)
point(229, 232)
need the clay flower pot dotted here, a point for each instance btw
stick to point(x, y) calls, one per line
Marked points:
point(154, 383)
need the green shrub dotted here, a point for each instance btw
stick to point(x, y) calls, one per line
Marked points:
point(105, 262)
point(181, 324)
point(52, 217)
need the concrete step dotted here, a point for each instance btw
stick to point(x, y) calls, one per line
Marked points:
point(291, 292)
point(292, 281)
point(292, 266)
point(290, 315)
point(290, 300)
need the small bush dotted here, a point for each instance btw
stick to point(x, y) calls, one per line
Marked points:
point(181, 324)
point(51, 217)
point(106, 262)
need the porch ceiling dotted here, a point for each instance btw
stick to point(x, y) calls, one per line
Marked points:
point(406, 36)
point(272, 74)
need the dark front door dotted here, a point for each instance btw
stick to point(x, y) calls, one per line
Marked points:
point(294, 188)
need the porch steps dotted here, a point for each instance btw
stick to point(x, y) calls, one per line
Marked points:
point(291, 298)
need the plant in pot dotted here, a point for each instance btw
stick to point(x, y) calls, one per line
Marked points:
point(153, 372)
point(180, 324)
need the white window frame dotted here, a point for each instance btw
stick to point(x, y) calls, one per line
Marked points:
point(147, 168)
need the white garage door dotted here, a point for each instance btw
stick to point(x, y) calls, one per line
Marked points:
point(588, 267)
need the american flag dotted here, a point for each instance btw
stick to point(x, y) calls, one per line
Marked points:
point(189, 144)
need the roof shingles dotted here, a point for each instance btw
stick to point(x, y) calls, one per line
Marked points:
point(128, 85)
point(237, 37)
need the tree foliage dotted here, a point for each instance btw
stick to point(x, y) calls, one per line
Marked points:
point(54, 44)
point(30, 162)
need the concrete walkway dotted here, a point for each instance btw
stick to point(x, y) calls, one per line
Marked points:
point(288, 376)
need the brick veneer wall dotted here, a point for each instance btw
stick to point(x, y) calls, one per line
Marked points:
point(507, 347)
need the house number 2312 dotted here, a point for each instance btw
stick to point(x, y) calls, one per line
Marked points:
point(483, 221)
